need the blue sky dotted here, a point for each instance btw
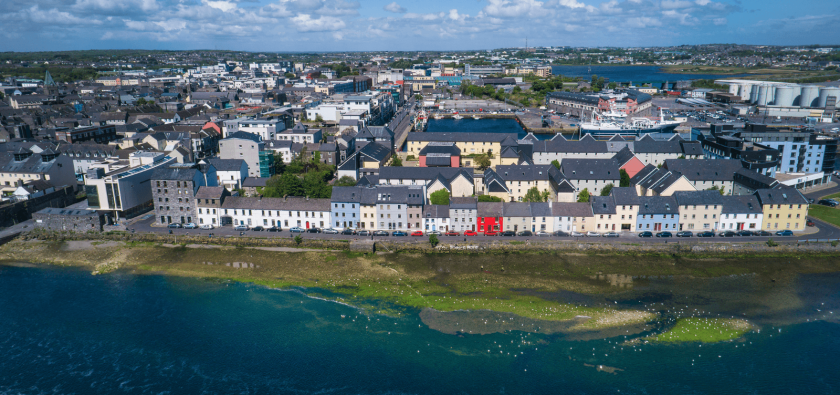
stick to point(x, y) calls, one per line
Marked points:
point(337, 25)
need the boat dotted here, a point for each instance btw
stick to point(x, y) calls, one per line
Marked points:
point(438, 116)
point(476, 117)
point(600, 126)
point(457, 116)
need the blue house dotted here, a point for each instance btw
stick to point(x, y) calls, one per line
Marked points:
point(345, 207)
point(657, 213)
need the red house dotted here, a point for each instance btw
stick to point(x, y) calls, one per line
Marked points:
point(440, 154)
point(628, 161)
point(490, 217)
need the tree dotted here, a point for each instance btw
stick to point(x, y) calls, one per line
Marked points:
point(319, 118)
point(286, 184)
point(557, 164)
point(440, 197)
point(605, 191)
point(298, 239)
point(315, 185)
point(433, 240)
point(583, 197)
point(533, 195)
point(488, 198)
point(289, 75)
point(279, 165)
point(717, 188)
point(482, 161)
point(345, 181)
point(396, 161)
point(625, 179)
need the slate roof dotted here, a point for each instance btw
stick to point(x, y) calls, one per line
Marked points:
point(210, 192)
point(704, 169)
point(780, 196)
point(441, 148)
point(286, 204)
point(174, 173)
point(424, 173)
point(541, 209)
point(590, 169)
point(252, 182)
point(602, 205)
point(571, 210)
point(32, 164)
point(245, 136)
point(226, 164)
point(741, 204)
point(490, 209)
point(649, 205)
point(435, 211)
point(516, 209)
point(463, 203)
point(624, 196)
point(698, 198)
point(347, 194)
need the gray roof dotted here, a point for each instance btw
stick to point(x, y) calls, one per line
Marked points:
point(463, 203)
point(541, 209)
point(226, 164)
point(571, 210)
point(210, 192)
point(704, 169)
point(698, 198)
point(441, 148)
point(516, 209)
point(289, 204)
point(742, 204)
point(245, 136)
point(780, 196)
point(174, 173)
point(649, 205)
point(435, 211)
point(347, 194)
point(591, 169)
point(254, 182)
point(490, 209)
point(624, 196)
point(424, 173)
point(602, 205)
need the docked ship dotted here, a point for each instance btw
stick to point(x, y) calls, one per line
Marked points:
point(600, 126)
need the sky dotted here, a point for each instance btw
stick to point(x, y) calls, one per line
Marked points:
point(371, 25)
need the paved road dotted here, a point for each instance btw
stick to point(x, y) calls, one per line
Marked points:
point(825, 231)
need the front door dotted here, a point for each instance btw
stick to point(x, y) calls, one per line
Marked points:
point(307, 224)
point(657, 227)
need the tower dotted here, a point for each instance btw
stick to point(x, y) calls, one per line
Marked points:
point(50, 87)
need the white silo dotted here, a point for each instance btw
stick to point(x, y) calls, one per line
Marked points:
point(733, 89)
point(745, 91)
point(808, 95)
point(753, 94)
point(825, 93)
point(762, 98)
point(797, 90)
point(784, 96)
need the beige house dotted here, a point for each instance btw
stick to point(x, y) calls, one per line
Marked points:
point(470, 144)
point(653, 181)
point(458, 181)
point(699, 210)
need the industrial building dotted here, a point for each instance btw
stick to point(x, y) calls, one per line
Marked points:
point(786, 99)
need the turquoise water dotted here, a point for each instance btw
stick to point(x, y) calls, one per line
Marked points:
point(66, 331)
point(636, 74)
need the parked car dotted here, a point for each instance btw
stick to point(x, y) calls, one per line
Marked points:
point(508, 233)
point(577, 234)
point(685, 233)
point(646, 234)
point(491, 233)
point(380, 233)
point(526, 233)
point(542, 233)
point(190, 225)
point(273, 229)
point(399, 233)
point(706, 234)
point(763, 233)
point(296, 229)
point(258, 229)
point(174, 225)
point(827, 202)
point(810, 223)
point(313, 230)
point(727, 233)
point(593, 234)
point(744, 232)
point(664, 234)
point(348, 232)
point(417, 233)
point(240, 228)
point(453, 233)
point(470, 233)
point(612, 234)
point(559, 233)
point(206, 227)
point(330, 231)
point(784, 233)
point(434, 232)
point(364, 233)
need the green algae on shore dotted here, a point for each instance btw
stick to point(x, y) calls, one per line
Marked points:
point(704, 330)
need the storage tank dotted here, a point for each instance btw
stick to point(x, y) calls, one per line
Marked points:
point(784, 96)
point(763, 92)
point(797, 90)
point(745, 92)
point(754, 94)
point(808, 96)
point(825, 93)
point(733, 89)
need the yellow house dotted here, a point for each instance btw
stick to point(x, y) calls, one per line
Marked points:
point(784, 209)
point(470, 144)
point(699, 210)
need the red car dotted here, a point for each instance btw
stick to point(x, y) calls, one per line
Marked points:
point(491, 233)
point(470, 233)
point(417, 233)
point(452, 233)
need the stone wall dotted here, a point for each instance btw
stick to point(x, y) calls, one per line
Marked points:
point(11, 214)
point(58, 219)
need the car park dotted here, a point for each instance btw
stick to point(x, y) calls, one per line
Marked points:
point(452, 233)
point(706, 234)
point(593, 234)
point(240, 228)
point(525, 233)
point(296, 229)
point(348, 232)
point(380, 233)
point(258, 229)
point(646, 234)
point(206, 227)
point(399, 233)
point(330, 231)
point(470, 233)
point(174, 225)
point(727, 233)
point(784, 233)
point(190, 226)
point(417, 233)
point(664, 234)
point(685, 233)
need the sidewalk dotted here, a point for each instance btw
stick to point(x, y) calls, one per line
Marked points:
point(821, 187)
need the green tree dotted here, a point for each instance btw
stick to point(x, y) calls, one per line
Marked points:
point(482, 161)
point(625, 178)
point(433, 240)
point(605, 191)
point(286, 184)
point(289, 75)
point(488, 198)
point(556, 164)
point(319, 118)
point(533, 195)
point(298, 239)
point(583, 197)
point(345, 181)
point(315, 185)
point(316, 157)
point(396, 161)
point(517, 89)
point(279, 165)
point(440, 197)
point(718, 188)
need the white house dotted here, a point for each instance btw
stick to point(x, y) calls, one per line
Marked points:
point(742, 212)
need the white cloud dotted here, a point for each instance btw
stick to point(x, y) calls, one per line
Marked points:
point(305, 23)
point(224, 6)
point(512, 8)
point(573, 4)
point(395, 8)
point(453, 15)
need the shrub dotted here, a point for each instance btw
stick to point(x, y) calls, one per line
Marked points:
point(298, 239)
point(433, 240)
point(772, 243)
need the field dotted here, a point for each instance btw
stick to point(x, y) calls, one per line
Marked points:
point(768, 74)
